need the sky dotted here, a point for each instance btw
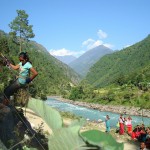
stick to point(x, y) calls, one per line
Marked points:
point(72, 27)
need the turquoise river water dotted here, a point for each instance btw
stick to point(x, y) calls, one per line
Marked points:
point(92, 114)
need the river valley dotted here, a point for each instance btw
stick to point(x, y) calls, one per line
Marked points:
point(93, 114)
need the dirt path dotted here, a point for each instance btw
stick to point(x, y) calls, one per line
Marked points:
point(36, 121)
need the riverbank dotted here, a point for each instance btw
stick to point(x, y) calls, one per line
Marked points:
point(36, 122)
point(136, 111)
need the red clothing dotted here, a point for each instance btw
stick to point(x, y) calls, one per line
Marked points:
point(135, 134)
point(121, 124)
point(121, 130)
point(129, 127)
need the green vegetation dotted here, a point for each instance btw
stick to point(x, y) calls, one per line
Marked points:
point(20, 29)
point(120, 78)
point(127, 95)
point(69, 115)
point(105, 140)
point(130, 65)
point(77, 140)
point(54, 77)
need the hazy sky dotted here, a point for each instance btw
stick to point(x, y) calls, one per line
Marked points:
point(72, 27)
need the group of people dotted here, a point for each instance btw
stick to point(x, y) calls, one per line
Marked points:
point(140, 132)
point(125, 123)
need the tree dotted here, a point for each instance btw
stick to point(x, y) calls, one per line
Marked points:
point(76, 93)
point(20, 29)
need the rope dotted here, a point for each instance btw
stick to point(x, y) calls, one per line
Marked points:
point(26, 125)
point(3, 57)
point(17, 111)
point(28, 98)
point(22, 141)
point(16, 145)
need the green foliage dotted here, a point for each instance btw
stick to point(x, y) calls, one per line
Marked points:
point(65, 138)
point(4, 47)
point(54, 77)
point(5, 77)
point(20, 27)
point(69, 137)
point(69, 115)
point(21, 97)
point(119, 78)
point(104, 140)
point(127, 95)
point(76, 93)
point(82, 91)
point(130, 64)
point(51, 116)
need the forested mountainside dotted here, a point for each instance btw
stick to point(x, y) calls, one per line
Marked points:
point(120, 78)
point(130, 65)
point(82, 64)
point(54, 77)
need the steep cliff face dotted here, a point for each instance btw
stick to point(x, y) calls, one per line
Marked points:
point(16, 131)
point(7, 125)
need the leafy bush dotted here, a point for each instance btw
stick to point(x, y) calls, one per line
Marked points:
point(69, 137)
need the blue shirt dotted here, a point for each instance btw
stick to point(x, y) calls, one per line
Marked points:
point(107, 123)
point(24, 71)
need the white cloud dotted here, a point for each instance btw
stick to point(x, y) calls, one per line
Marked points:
point(65, 52)
point(87, 42)
point(60, 52)
point(101, 34)
point(96, 43)
point(90, 43)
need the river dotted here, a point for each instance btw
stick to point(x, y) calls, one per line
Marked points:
point(92, 114)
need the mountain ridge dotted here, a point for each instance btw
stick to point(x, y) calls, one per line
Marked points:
point(127, 64)
point(82, 64)
point(54, 77)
